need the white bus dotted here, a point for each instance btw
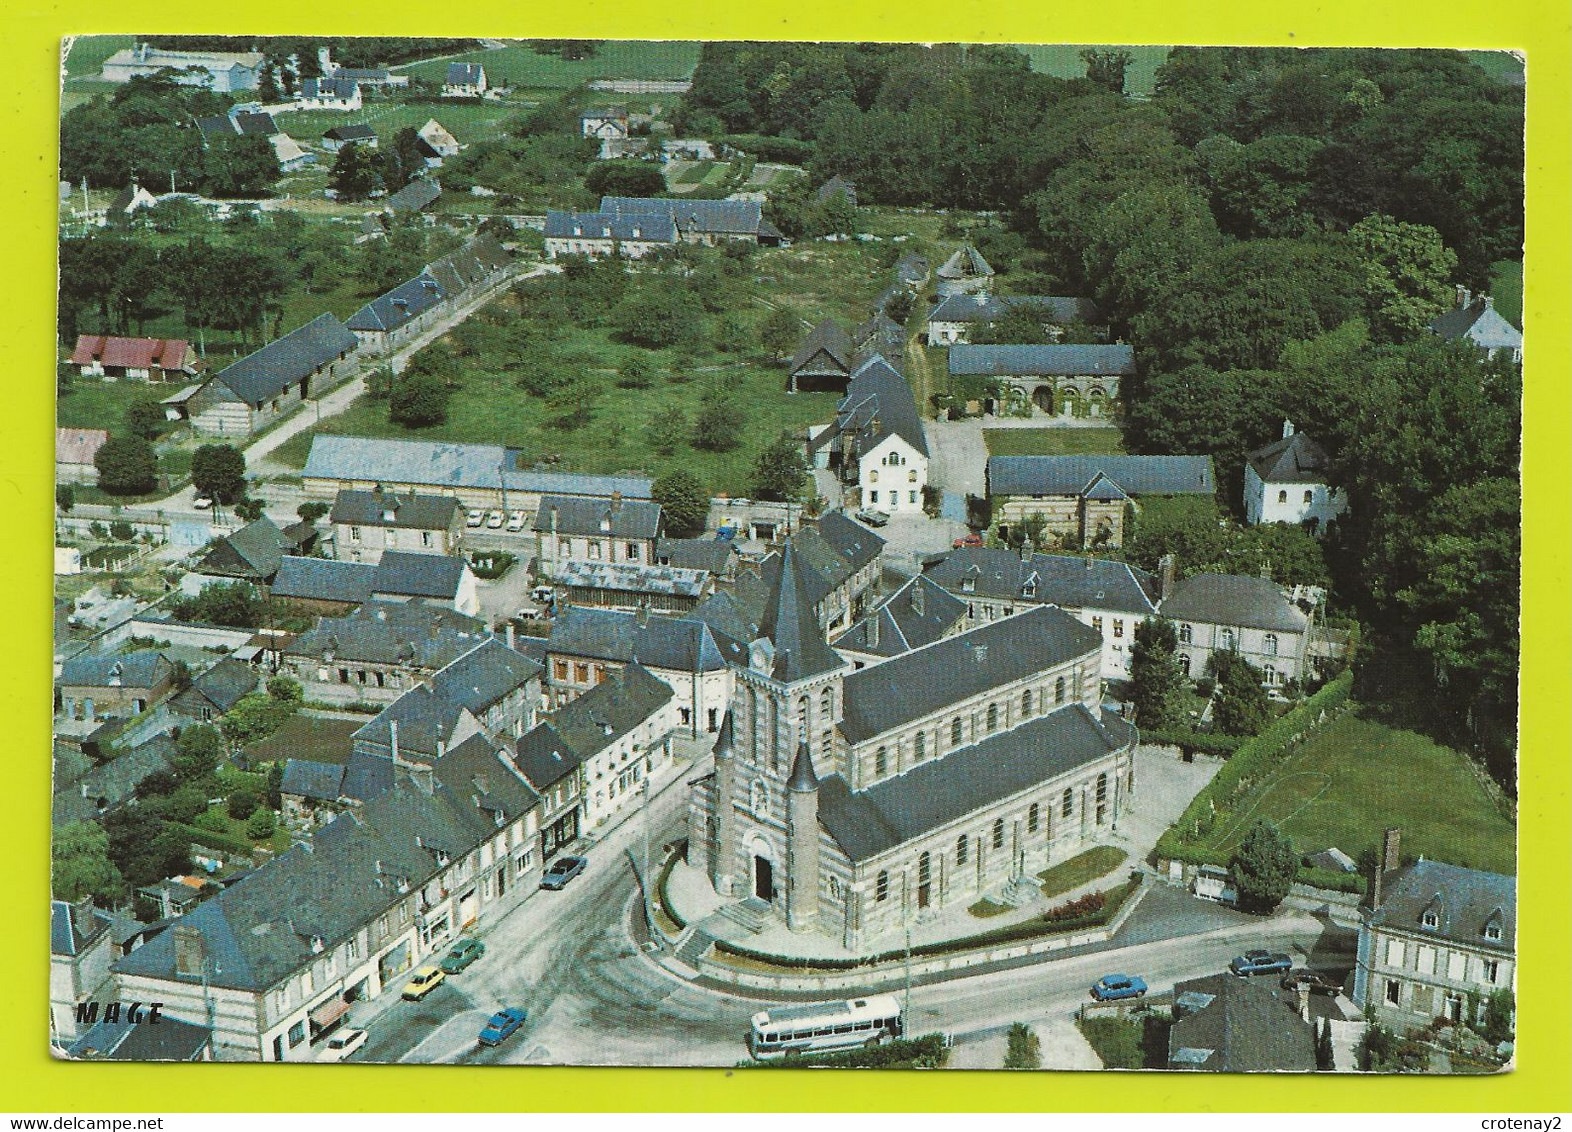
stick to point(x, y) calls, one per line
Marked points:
point(824, 1026)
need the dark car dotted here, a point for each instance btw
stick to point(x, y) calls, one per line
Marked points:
point(503, 1025)
point(562, 870)
point(1109, 988)
point(971, 540)
point(1316, 981)
point(871, 517)
point(1261, 963)
point(461, 955)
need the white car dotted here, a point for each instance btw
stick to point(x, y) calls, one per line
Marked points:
point(341, 1044)
point(202, 503)
point(494, 521)
point(476, 518)
point(516, 521)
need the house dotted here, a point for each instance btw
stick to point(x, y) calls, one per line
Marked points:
point(249, 120)
point(322, 586)
point(629, 585)
point(336, 93)
point(75, 451)
point(912, 271)
point(917, 614)
point(114, 685)
point(836, 186)
point(717, 557)
point(853, 802)
point(464, 80)
point(1058, 380)
point(222, 71)
point(365, 76)
point(264, 386)
point(1289, 481)
point(597, 234)
point(589, 646)
point(687, 149)
point(402, 575)
point(378, 652)
point(1111, 598)
point(1243, 615)
point(365, 523)
point(436, 142)
point(253, 554)
point(1082, 499)
point(707, 222)
point(876, 441)
point(81, 948)
point(881, 335)
point(952, 319)
point(840, 563)
point(608, 123)
point(413, 197)
point(499, 686)
point(573, 528)
point(135, 359)
point(1225, 1024)
point(290, 154)
point(211, 694)
point(477, 475)
point(621, 732)
point(966, 272)
point(408, 310)
point(129, 200)
point(170, 1040)
point(1476, 321)
point(1435, 940)
point(338, 137)
point(825, 360)
point(86, 790)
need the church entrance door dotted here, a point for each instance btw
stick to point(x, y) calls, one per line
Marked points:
point(763, 878)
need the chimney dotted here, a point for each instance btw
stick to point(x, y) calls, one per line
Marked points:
point(1303, 993)
point(1490, 303)
point(1391, 841)
point(433, 628)
point(393, 739)
point(553, 520)
point(190, 950)
point(82, 913)
point(507, 631)
point(1288, 429)
point(616, 502)
point(1463, 297)
point(873, 628)
point(917, 599)
point(1165, 577)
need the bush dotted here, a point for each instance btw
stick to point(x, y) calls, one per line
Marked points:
point(242, 804)
point(1193, 742)
point(1023, 1050)
point(219, 472)
point(1080, 908)
point(419, 401)
point(261, 825)
point(926, 1052)
point(787, 151)
point(122, 530)
point(490, 564)
point(223, 842)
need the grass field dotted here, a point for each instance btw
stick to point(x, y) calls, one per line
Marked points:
point(88, 52)
point(1506, 287)
point(1080, 869)
point(1053, 441)
point(1361, 776)
point(466, 121)
point(517, 66)
point(1503, 66)
point(1064, 61)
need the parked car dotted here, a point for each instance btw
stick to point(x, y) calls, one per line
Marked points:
point(341, 1044)
point(516, 521)
point(562, 870)
point(1260, 963)
point(1110, 988)
point(541, 595)
point(503, 1025)
point(1318, 982)
point(461, 955)
point(972, 539)
point(872, 518)
point(476, 517)
point(202, 503)
point(494, 521)
point(423, 982)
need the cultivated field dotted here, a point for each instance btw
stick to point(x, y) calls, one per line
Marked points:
point(518, 66)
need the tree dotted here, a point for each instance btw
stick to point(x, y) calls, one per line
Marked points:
point(780, 332)
point(1263, 868)
point(126, 465)
point(121, 531)
point(186, 803)
point(1500, 1016)
point(261, 825)
point(145, 419)
point(284, 689)
point(1023, 1048)
point(239, 166)
point(312, 511)
point(899, 306)
point(684, 502)
point(80, 864)
point(65, 498)
point(249, 509)
point(625, 179)
point(419, 400)
point(1242, 707)
point(1407, 274)
point(356, 173)
point(779, 470)
point(638, 372)
point(1157, 686)
point(275, 783)
point(716, 428)
point(1107, 68)
point(218, 471)
point(142, 848)
point(180, 677)
point(1023, 323)
point(255, 716)
point(242, 804)
point(657, 318)
point(197, 753)
point(573, 404)
point(667, 429)
point(225, 603)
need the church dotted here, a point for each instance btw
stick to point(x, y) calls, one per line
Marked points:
point(854, 801)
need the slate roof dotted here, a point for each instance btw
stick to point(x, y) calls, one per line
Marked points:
point(1480, 323)
point(878, 404)
point(484, 676)
point(881, 335)
point(544, 757)
point(833, 341)
point(912, 269)
point(610, 709)
point(935, 793)
point(426, 722)
point(987, 308)
point(464, 74)
point(926, 680)
point(223, 684)
point(1234, 599)
point(719, 217)
point(836, 185)
point(255, 125)
point(306, 778)
point(354, 133)
point(416, 512)
point(323, 579)
point(576, 515)
point(1050, 579)
point(73, 934)
point(601, 226)
point(1072, 475)
point(170, 1040)
point(78, 445)
point(336, 89)
point(680, 644)
point(438, 464)
point(631, 577)
point(1043, 361)
point(905, 621)
point(966, 263)
point(791, 624)
point(132, 353)
point(1232, 1025)
point(362, 74)
point(1464, 901)
point(284, 361)
point(391, 633)
point(254, 552)
point(477, 770)
point(714, 556)
point(855, 545)
point(408, 574)
point(141, 669)
point(392, 309)
point(414, 196)
point(1294, 459)
point(466, 266)
point(77, 798)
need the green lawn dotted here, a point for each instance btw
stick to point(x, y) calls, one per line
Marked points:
point(1506, 287)
point(466, 121)
point(1361, 776)
point(1080, 869)
point(518, 66)
point(1053, 441)
point(694, 173)
point(1064, 61)
point(1503, 66)
point(88, 52)
point(1117, 1041)
point(102, 404)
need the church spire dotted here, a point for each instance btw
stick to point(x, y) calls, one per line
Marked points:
point(791, 625)
point(803, 778)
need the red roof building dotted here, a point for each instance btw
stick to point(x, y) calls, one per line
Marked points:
point(144, 359)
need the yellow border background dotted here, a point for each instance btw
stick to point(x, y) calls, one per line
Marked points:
point(29, 107)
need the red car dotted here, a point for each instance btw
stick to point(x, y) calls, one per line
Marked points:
point(972, 539)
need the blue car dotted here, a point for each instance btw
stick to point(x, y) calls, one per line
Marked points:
point(562, 870)
point(1261, 963)
point(1111, 987)
point(502, 1025)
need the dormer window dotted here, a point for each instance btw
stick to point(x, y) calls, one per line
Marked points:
point(387, 514)
point(1430, 919)
point(1493, 927)
point(968, 585)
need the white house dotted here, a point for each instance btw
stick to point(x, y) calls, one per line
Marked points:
point(877, 440)
point(329, 94)
point(1476, 320)
point(609, 123)
point(1287, 482)
point(437, 144)
point(464, 80)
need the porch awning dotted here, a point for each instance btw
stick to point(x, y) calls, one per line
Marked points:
point(329, 1012)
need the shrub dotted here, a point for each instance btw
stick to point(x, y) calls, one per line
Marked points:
point(261, 825)
point(1023, 1050)
point(122, 530)
point(242, 804)
point(926, 1052)
point(1079, 908)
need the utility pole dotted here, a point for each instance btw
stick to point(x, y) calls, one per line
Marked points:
point(649, 914)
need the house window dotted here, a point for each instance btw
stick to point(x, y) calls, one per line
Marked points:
point(1118, 628)
point(1269, 674)
point(881, 886)
point(297, 1033)
point(969, 586)
point(559, 669)
point(1454, 1007)
point(1066, 804)
point(1186, 634)
point(632, 551)
point(1058, 691)
point(1033, 818)
point(873, 497)
point(912, 496)
point(881, 761)
point(873, 476)
point(962, 843)
point(1490, 969)
point(687, 716)
point(955, 732)
point(1282, 497)
point(1184, 663)
point(1309, 496)
point(1102, 797)
point(1271, 644)
point(581, 673)
point(352, 949)
point(425, 539)
point(998, 833)
point(1492, 931)
point(1097, 624)
point(354, 534)
point(919, 746)
point(993, 718)
point(1225, 639)
point(712, 723)
point(594, 548)
point(924, 868)
point(1394, 992)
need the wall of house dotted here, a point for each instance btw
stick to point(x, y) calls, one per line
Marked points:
point(556, 550)
point(891, 477)
point(612, 776)
point(699, 699)
point(366, 542)
point(1411, 978)
point(1293, 503)
point(1058, 396)
point(73, 979)
point(1279, 655)
point(113, 702)
point(342, 680)
point(598, 248)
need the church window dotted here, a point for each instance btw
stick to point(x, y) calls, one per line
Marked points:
point(835, 888)
point(955, 732)
point(759, 798)
point(827, 703)
point(924, 868)
point(920, 746)
point(1033, 818)
point(1026, 704)
point(881, 886)
point(881, 761)
point(998, 833)
point(962, 843)
point(1058, 690)
point(1067, 804)
point(993, 718)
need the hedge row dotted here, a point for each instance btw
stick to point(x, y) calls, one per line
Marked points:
point(926, 1052)
point(1334, 879)
point(1035, 928)
point(1194, 742)
point(223, 842)
point(786, 151)
point(1253, 757)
